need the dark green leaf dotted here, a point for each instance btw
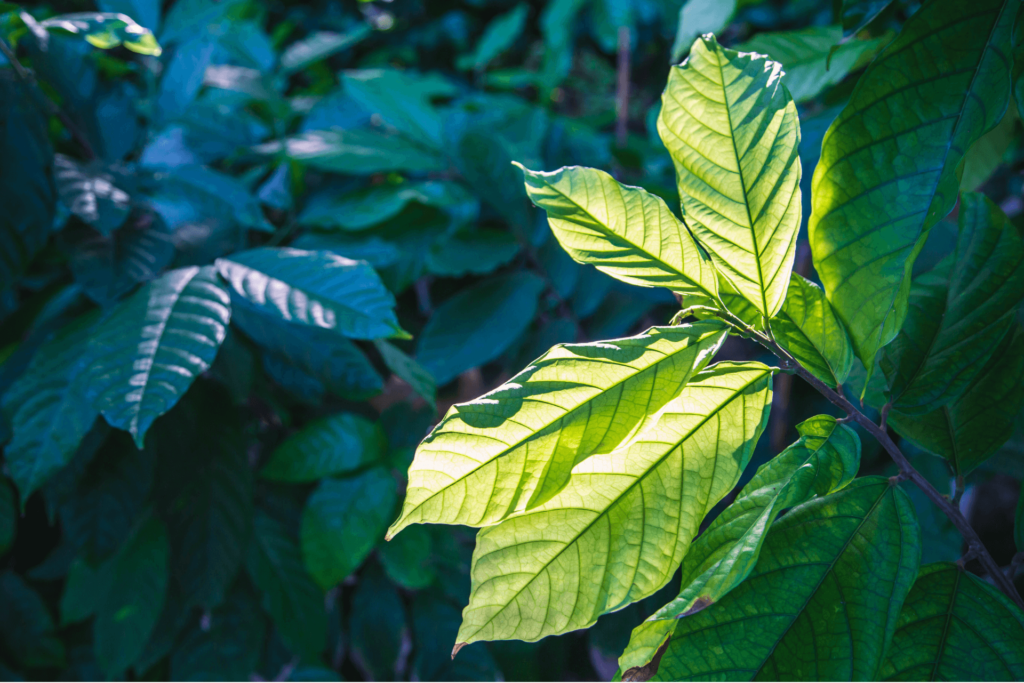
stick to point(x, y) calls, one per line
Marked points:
point(330, 445)
point(485, 161)
point(8, 515)
point(92, 192)
point(476, 253)
point(318, 46)
point(408, 370)
point(377, 624)
point(402, 101)
point(435, 624)
point(697, 18)
point(197, 193)
point(225, 648)
point(362, 151)
point(85, 589)
point(857, 14)
point(499, 36)
point(408, 558)
point(27, 629)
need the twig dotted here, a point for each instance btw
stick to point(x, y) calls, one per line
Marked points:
point(622, 89)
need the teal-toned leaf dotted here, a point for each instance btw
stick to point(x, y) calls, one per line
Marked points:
point(1018, 523)
point(824, 460)
point(146, 12)
point(475, 253)
point(227, 647)
point(408, 558)
point(823, 600)
point(91, 192)
point(27, 629)
point(954, 325)
point(8, 515)
point(557, 26)
point(107, 30)
point(732, 130)
point(135, 597)
point(48, 409)
point(378, 625)
point(147, 353)
point(85, 589)
point(192, 193)
point(973, 426)
point(572, 402)
point(330, 445)
point(890, 168)
point(485, 162)
point(477, 324)
point(804, 54)
point(435, 623)
point(367, 207)
point(697, 17)
point(623, 231)
point(343, 520)
point(290, 596)
point(408, 370)
point(857, 14)
point(314, 288)
point(619, 529)
point(360, 151)
point(319, 46)
point(499, 36)
point(955, 626)
point(401, 100)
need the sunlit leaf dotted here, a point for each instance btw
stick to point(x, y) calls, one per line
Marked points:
point(91, 192)
point(360, 151)
point(107, 30)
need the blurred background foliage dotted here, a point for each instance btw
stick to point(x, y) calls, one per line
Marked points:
point(244, 540)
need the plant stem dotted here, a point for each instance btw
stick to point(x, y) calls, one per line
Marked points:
point(952, 511)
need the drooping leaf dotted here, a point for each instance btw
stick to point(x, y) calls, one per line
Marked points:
point(516, 445)
point(408, 370)
point(953, 325)
point(618, 530)
point(698, 17)
point(377, 624)
point(27, 629)
point(8, 515)
point(955, 626)
point(154, 344)
point(315, 288)
point(107, 30)
point(132, 604)
point(48, 409)
point(290, 596)
point(623, 231)
point(330, 445)
point(890, 169)
point(822, 601)
point(477, 324)
point(318, 46)
point(824, 460)
point(359, 151)
point(343, 520)
point(499, 35)
point(805, 55)
point(92, 193)
point(732, 130)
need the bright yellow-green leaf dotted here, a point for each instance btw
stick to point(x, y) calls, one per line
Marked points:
point(732, 130)
point(107, 30)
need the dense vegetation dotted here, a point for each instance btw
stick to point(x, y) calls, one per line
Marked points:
point(253, 252)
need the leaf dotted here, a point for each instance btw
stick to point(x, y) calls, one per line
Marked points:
point(808, 58)
point(407, 558)
point(48, 410)
point(377, 624)
point(1018, 523)
point(153, 345)
point(808, 328)
point(8, 515)
point(401, 100)
point(485, 162)
point(477, 324)
point(197, 193)
point(953, 326)
point(857, 14)
point(91, 192)
point(618, 531)
point(363, 208)
point(623, 231)
point(107, 30)
point(476, 253)
point(986, 154)
point(499, 36)
point(948, 614)
point(228, 649)
point(972, 427)
point(435, 623)
point(138, 586)
point(408, 370)
point(290, 597)
point(733, 133)
point(146, 12)
point(873, 202)
point(330, 445)
point(27, 629)
point(824, 459)
point(85, 589)
point(343, 520)
point(823, 600)
point(513, 448)
point(698, 17)
point(319, 46)
point(314, 288)
point(361, 151)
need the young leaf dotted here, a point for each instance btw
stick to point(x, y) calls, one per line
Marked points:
point(146, 354)
point(516, 445)
point(824, 460)
point(823, 600)
point(331, 445)
point(953, 327)
point(107, 30)
point(138, 586)
point(616, 533)
point(343, 520)
point(315, 288)
point(955, 626)
point(890, 169)
point(624, 231)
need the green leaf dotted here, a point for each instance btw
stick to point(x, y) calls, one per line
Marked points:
point(890, 169)
point(499, 36)
point(619, 529)
point(48, 410)
point(804, 54)
point(85, 589)
point(319, 46)
point(475, 253)
point(857, 14)
point(823, 600)
point(408, 370)
point(733, 133)
point(107, 30)
point(435, 623)
point(485, 162)
point(132, 604)
point(476, 325)
point(1018, 523)
point(824, 460)
point(289, 595)
point(623, 231)
point(197, 193)
point(330, 445)
point(953, 326)
point(147, 353)
point(973, 426)
point(370, 206)
point(407, 558)
point(360, 151)
point(91, 192)
point(698, 17)
point(986, 154)
point(27, 629)
point(572, 402)
point(343, 520)
point(228, 648)
point(8, 515)
point(955, 626)
point(314, 288)
point(402, 100)
point(378, 626)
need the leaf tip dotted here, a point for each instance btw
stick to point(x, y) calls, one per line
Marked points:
point(458, 646)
